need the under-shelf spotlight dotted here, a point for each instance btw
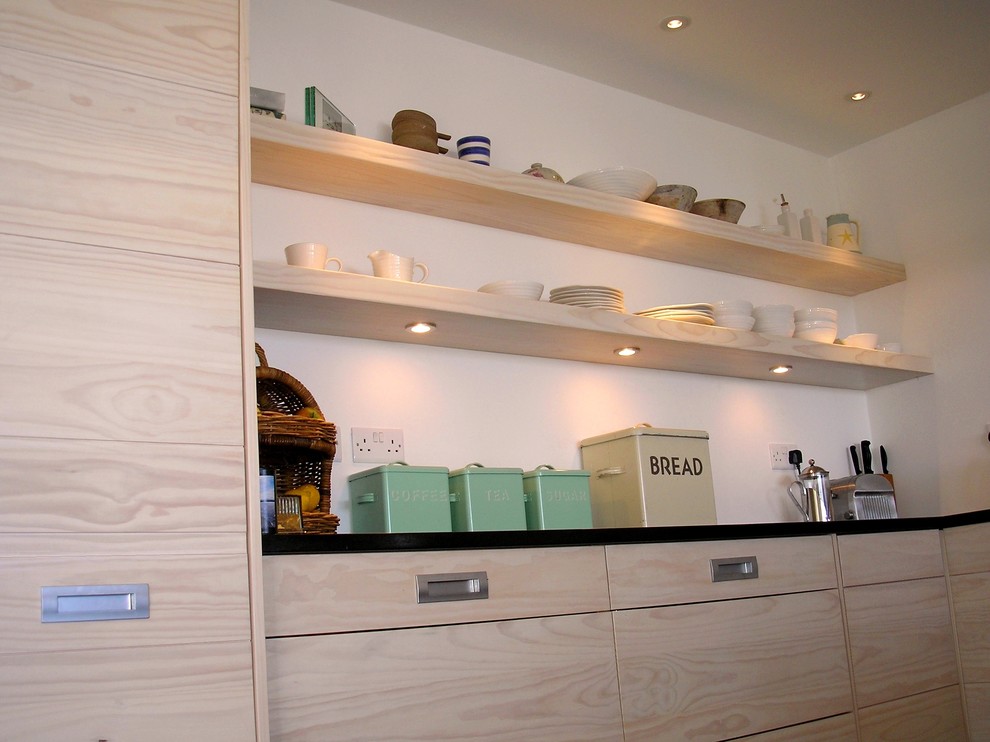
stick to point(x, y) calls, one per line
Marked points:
point(781, 369)
point(675, 22)
point(859, 95)
point(629, 350)
point(421, 328)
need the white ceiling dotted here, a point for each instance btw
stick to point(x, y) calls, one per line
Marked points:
point(781, 68)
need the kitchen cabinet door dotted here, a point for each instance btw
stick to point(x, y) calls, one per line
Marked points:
point(547, 679)
point(840, 728)
point(900, 639)
point(713, 671)
point(936, 715)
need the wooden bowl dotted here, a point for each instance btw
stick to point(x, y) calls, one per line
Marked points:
point(723, 209)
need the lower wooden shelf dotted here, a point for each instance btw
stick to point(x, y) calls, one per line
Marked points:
point(354, 305)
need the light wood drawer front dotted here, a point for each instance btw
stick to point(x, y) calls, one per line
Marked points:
point(194, 693)
point(664, 574)
point(193, 42)
point(544, 679)
point(166, 368)
point(887, 557)
point(968, 548)
point(929, 717)
point(110, 486)
point(719, 670)
point(194, 598)
point(900, 638)
point(978, 710)
point(94, 156)
point(971, 600)
point(835, 729)
point(316, 593)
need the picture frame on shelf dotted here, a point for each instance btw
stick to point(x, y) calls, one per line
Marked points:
point(320, 112)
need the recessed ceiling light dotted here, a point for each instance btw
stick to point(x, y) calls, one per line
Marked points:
point(627, 351)
point(780, 369)
point(421, 327)
point(675, 22)
point(859, 95)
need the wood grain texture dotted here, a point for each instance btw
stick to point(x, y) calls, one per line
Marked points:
point(971, 601)
point(352, 305)
point(967, 548)
point(718, 670)
point(109, 344)
point(194, 693)
point(303, 158)
point(315, 593)
point(550, 679)
point(195, 598)
point(192, 42)
point(643, 575)
point(978, 710)
point(936, 715)
point(887, 557)
point(900, 639)
point(96, 156)
point(834, 729)
point(121, 487)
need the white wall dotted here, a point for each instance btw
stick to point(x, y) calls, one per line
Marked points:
point(457, 407)
point(925, 189)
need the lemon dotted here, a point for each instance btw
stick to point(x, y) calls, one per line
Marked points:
point(309, 495)
point(310, 412)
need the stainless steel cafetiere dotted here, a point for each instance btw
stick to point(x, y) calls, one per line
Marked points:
point(815, 501)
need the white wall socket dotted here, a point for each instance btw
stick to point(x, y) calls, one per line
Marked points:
point(778, 456)
point(377, 445)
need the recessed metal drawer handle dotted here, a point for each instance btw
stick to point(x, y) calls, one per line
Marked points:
point(66, 603)
point(735, 568)
point(451, 586)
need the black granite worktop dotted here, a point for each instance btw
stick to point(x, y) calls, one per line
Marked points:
point(315, 543)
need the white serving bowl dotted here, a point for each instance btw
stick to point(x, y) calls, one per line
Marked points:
point(818, 334)
point(770, 328)
point(628, 182)
point(735, 321)
point(813, 313)
point(866, 340)
point(815, 324)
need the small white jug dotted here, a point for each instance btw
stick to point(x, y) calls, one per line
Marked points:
point(389, 265)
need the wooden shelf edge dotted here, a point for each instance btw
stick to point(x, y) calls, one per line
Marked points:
point(297, 157)
point(359, 306)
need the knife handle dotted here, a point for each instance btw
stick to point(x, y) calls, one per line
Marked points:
point(855, 458)
point(867, 458)
point(883, 460)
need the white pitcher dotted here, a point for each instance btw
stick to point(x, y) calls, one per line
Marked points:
point(389, 265)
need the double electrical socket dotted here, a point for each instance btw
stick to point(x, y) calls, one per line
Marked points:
point(778, 456)
point(376, 445)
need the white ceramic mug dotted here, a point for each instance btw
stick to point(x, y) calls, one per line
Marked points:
point(310, 255)
point(389, 265)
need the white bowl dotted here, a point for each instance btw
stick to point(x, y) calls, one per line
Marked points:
point(628, 182)
point(736, 321)
point(816, 324)
point(818, 334)
point(812, 313)
point(866, 340)
point(784, 330)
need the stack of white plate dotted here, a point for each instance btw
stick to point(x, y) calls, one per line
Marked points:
point(736, 314)
point(816, 323)
point(593, 297)
point(520, 289)
point(774, 319)
point(700, 314)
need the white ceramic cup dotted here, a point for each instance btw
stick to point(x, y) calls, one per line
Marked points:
point(310, 255)
point(398, 267)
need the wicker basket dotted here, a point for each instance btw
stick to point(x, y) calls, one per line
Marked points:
point(298, 450)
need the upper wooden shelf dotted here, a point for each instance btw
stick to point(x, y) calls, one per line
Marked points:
point(305, 158)
point(354, 305)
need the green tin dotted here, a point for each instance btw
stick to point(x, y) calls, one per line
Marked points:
point(557, 499)
point(396, 498)
point(486, 499)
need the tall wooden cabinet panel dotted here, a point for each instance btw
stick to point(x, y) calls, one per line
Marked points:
point(967, 550)
point(713, 671)
point(550, 679)
point(935, 715)
point(121, 376)
point(841, 728)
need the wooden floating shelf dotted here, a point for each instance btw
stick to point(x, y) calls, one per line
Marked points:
point(359, 306)
point(305, 158)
